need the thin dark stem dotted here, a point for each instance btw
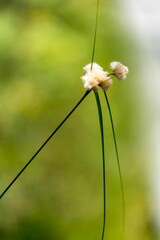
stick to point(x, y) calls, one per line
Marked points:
point(95, 34)
point(118, 161)
point(42, 146)
point(103, 160)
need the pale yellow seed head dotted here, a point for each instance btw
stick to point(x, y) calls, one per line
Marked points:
point(95, 76)
point(119, 70)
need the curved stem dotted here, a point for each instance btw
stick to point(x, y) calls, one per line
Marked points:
point(117, 156)
point(103, 160)
point(95, 34)
point(42, 146)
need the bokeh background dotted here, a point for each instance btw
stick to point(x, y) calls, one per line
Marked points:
point(43, 48)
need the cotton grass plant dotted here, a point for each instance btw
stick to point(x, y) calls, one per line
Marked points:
point(94, 79)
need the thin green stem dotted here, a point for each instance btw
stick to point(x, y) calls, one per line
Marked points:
point(118, 161)
point(103, 160)
point(42, 146)
point(95, 34)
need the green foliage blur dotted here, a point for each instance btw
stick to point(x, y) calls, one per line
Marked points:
point(43, 48)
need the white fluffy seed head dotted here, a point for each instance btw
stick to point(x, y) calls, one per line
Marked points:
point(95, 76)
point(119, 70)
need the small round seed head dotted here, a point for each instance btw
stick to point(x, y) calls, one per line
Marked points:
point(106, 84)
point(95, 76)
point(119, 70)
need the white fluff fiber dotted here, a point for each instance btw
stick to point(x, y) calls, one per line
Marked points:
point(119, 70)
point(95, 76)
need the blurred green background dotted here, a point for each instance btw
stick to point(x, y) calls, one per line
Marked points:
point(43, 48)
